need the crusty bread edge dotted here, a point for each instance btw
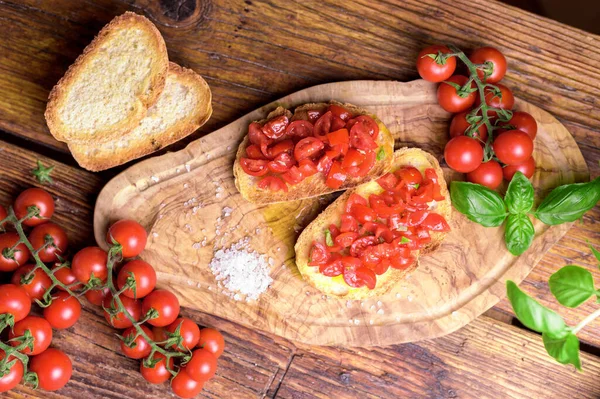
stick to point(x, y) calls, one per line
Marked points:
point(315, 231)
point(204, 112)
point(58, 94)
point(315, 185)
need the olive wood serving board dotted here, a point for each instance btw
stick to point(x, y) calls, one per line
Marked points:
point(182, 199)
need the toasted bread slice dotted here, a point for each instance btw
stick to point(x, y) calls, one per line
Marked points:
point(183, 106)
point(336, 286)
point(109, 88)
point(315, 185)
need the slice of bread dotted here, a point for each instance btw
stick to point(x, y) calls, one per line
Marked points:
point(183, 106)
point(336, 286)
point(109, 88)
point(315, 185)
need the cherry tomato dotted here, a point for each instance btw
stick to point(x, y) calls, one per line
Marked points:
point(144, 275)
point(272, 183)
point(318, 254)
point(90, 261)
point(96, 297)
point(275, 128)
point(344, 240)
point(3, 214)
point(282, 163)
point(308, 147)
point(165, 303)
point(339, 137)
point(38, 284)
point(409, 175)
point(160, 334)
point(459, 126)
point(40, 330)
point(185, 386)
point(14, 300)
point(323, 125)
point(358, 247)
point(34, 197)
point(202, 366)
point(293, 176)
point(336, 176)
point(353, 158)
point(450, 99)
point(254, 167)
point(256, 135)
point(120, 320)
point(253, 152)
point(431, 70)
point(527, 168)
point(492, 56)
point(53, 368)
point(212, 341)
point(14, 375)
point(286, 146)
point(130, 234)
point(340, 112)
point(189, 331)
point(141, 347)
point(359, 277)
point(364, 124)
point(307, 167)
point(524, 122)
point(38, 235)
point(159, 372)
point(299, 129)
point(361, 139)
point(11, 259)
point(63, 312)
point(65, 275)
point(488, 174)
point(513, 147)
point(506, 100)
point(463, 154)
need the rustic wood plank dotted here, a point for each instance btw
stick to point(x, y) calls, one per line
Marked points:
point(486, 359)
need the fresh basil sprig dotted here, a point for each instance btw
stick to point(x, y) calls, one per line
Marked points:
point(571, 286)
point(482, 205)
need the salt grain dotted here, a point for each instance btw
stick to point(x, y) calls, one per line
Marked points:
point(188, 167)
point(155, 179)
point(380, 311)
point(240, 270)
point(186, 185)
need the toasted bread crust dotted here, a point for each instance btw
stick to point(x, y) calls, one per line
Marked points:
point(315, 185)
point(176, 132)
point(314, 231)
point(58, 95)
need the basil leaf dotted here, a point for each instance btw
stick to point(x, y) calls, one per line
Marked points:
point(480, 204)
point(518, 233)
point(532, 314)
point(519, 195)
point(564, 349)
point(380, 153)
point(569, 202)
point(328, 238)
point(572, 285)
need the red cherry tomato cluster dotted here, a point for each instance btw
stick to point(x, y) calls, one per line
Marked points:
point(159, 308)
point(383, 230)
point(485, 156)
point(331, 141)
point(31, 336)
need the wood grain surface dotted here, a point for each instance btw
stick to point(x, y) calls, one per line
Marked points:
point(180, 198)
point(252, 52)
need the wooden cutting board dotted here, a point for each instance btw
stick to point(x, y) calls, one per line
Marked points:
point(189, 204)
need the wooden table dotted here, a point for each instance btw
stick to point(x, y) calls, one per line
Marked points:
point(252, 52)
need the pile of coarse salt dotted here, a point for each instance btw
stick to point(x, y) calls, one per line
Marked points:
point(243, 272)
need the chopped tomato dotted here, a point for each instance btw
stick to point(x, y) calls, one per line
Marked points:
point(255, 134)
point(275, 128)
point(336, 124)
point(365, 167)
point(324, 164)
point(344, 240)
point(254, 167)
point(253, 152)
point(368, 228)
point(389, 181)
point(333, 267)
point(363, 213)
point(366, 124)
point(349, 223)
point(286, 146)
point(362, 276)
point(351, 262)
point(424, 193)
point(402, 263)
point(323, 126)
point(282, 163)
point(293, 176)
point(273, 183)
point(358, 246)
point(340, 112)
point(333, 229)
point(318, 254)
point(353, 200)
point(381, 267)
point(431, 175)
point(308, 147)
point(336, 176)
point(337, 150)
point(299, 129)
point(307, 167)
point(409, 174)
point(361, 140)
point(353, 158)
point(416, 218)
point(338, 137)
point(435, 222)
point(384, 233)
point(313, 115)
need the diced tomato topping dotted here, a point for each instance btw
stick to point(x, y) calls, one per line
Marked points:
point(337, 151)
point(340, 112)
point(363, 213)
point(351, 262)
point(384, 233)
point(424, 193)
point(359, 277)
point(361, 140)
point(286, 146)
point(353, 158)
point(435, 222)
point(363, 169)
point(344, 240)
point(338, 137)
point(333, 267)
point(307, 167)
point(275, 128)
point(254, 167)
point(349, 223)
point(416, 218)
point(368, 228)
point(336, 176)
point(253, 152)
point(293, 176)
point(324, 164)
point(323, 126)
point(355, 199)
point(318, 254)
point(388, 182)
point(282, 163)
point(366, 124)
point(409, 174)
point(402, 263)
point(272, 183)
point(299, 129)
point(334, 230)
point(336, 123)
point(358, 246)
point(308, 147)
point(313, 115)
